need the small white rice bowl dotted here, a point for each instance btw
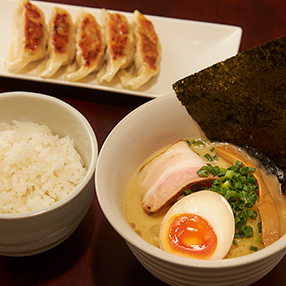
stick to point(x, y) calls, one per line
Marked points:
point(37, 167)
point(48, 152)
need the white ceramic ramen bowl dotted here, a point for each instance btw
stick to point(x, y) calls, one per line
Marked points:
point(142, 132)
point(37, 231)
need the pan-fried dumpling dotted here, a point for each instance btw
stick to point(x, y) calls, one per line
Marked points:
point(90, 47)
point(29, 36)
point(147, 54)
point(61, 42)
point(120, 45)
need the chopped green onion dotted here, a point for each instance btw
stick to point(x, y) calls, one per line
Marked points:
point(214, 170)
point(197, 143)
point(251, 213)
point(258, 240)
point(203, 173)
point(239, 186)
point(208, 157)
point(259, 227)
point(226, 184)
point(253, 248)
point(217, 183)
point(229, 174)
point(237, 163)
point(233, 168)
point(251, 179)
point(244, 170)
point(187, 192)
point(247, 231)
point(239, 234)
point(251, 169)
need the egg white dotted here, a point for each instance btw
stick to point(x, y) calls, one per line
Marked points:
point(212, 207)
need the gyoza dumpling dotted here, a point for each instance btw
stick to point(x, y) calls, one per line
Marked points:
point(29, 36)
point(120, 45)
point(147, 54)
point(61, 42)
point(90, 47)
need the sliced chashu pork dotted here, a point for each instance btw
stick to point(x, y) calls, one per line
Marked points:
point(164, 178)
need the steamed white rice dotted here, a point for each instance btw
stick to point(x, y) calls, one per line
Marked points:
point(37, 168)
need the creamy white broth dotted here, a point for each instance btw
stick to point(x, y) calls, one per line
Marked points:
point(148, 226)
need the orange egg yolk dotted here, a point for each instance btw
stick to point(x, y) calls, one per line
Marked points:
point(192, 236)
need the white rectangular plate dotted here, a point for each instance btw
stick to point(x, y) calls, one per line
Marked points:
point(187, 47)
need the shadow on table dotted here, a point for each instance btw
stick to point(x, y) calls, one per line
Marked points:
point(52, 267)
point(114, 263)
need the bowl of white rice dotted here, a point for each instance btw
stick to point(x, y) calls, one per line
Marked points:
point(48, 153)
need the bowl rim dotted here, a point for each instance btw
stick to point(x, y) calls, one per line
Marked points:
point(130, 236)
point(94, 153)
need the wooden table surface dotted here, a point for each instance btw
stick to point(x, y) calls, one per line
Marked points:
point(95, 254)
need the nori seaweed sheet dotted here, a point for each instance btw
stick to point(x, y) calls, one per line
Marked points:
point(242, 100)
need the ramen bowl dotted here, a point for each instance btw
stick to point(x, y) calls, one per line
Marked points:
point(36, 231)
point(148, 128)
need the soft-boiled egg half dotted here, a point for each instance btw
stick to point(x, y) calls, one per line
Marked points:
point(200, 225)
